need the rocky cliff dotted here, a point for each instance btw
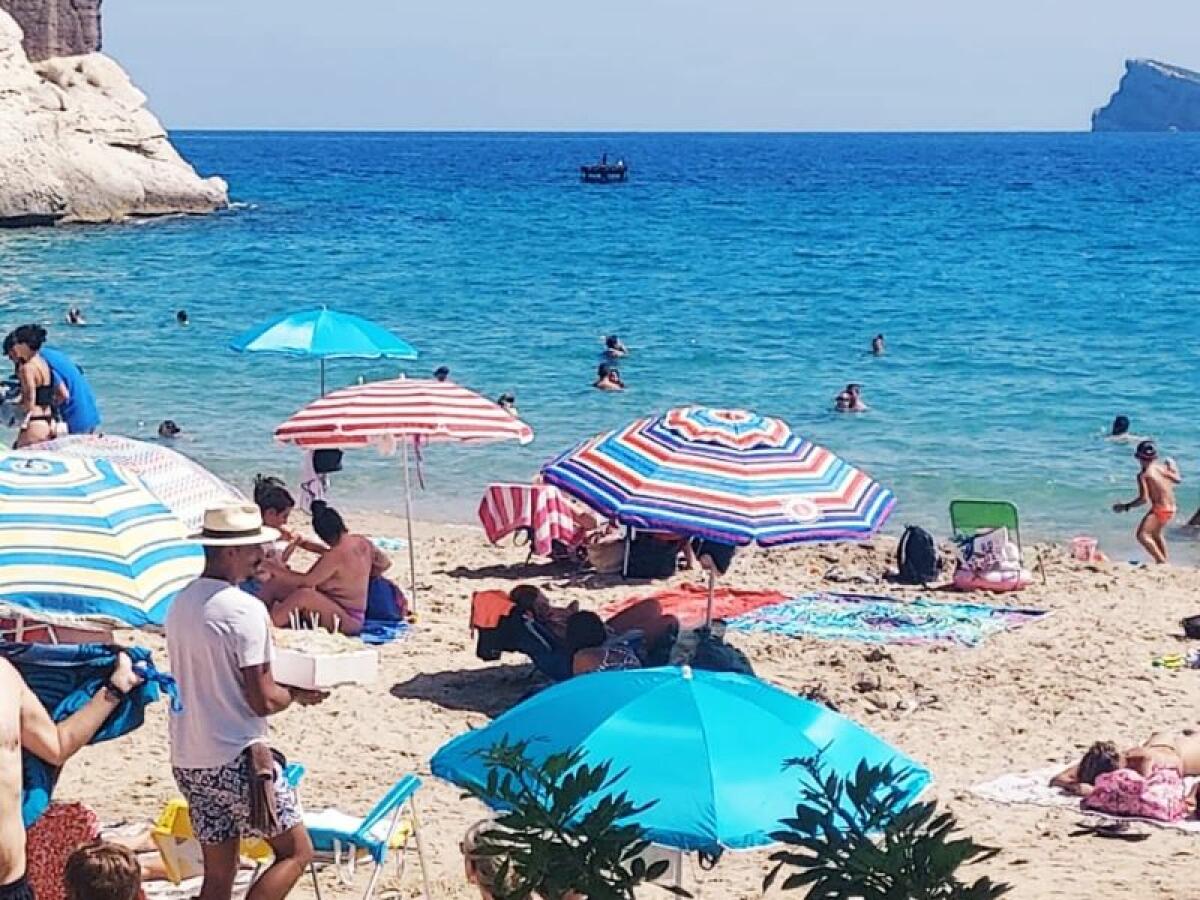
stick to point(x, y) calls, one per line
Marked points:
point(77, 143)
point(1152, 96)
point(56, 27)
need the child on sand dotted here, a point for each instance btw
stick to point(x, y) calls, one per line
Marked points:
point(1156, 486)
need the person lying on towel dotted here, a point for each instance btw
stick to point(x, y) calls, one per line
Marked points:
point(1161, 750)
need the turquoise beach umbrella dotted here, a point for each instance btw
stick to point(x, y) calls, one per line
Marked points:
point(324, 334)
point(708, 749)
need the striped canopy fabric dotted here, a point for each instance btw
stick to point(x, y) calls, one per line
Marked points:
point(82, 541)
point(182, 485)
point(381, 411)
point(728, 475)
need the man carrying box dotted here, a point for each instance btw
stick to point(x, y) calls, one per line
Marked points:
point(219, 641)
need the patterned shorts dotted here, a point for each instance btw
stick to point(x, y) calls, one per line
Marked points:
point(219, 802)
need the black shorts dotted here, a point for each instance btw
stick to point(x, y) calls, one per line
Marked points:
point(17, 890)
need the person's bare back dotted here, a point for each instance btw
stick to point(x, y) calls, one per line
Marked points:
point(347, 584)
point(12, 829)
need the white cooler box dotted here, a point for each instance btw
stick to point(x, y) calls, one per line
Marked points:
point(322, 671)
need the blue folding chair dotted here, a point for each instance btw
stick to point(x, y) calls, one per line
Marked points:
point(374, 835)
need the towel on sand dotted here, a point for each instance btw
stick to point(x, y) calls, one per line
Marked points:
point(689, 602)
point(65, 677)
point(883, 620)
point(1033, 789)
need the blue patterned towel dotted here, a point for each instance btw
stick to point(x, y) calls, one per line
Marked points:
point(883, 620)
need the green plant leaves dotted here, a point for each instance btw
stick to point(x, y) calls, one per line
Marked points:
point(844, 841)
point(561, 830)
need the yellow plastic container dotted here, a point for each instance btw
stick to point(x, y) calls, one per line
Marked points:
point(179, 849)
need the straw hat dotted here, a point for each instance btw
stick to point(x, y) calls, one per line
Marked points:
point(234, 526)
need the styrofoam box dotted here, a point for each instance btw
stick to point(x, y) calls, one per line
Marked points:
point(322, 671)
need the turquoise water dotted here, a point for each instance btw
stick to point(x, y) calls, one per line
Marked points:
point(1030, 287)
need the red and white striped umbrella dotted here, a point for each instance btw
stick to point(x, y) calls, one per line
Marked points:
point(387, 414)
point(381, 411)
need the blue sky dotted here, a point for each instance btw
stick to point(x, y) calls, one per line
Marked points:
point(791, 65)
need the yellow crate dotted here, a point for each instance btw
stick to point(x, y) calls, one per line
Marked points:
point(180, 851)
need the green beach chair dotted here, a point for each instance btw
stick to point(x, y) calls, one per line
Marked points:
point(971, 517)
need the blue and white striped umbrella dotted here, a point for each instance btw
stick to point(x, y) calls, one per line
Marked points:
point(83, 541)
point(729, 475)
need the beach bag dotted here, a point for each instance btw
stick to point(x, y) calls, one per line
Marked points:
point(1123, 792)
point(385, 601)
point(917, 557)
point(650, 557)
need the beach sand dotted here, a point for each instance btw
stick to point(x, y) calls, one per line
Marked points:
point(1022, 700)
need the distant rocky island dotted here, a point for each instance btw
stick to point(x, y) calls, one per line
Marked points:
point(1152, 96)
point(77, 143)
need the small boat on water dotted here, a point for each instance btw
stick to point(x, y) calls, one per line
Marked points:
point(604, 171)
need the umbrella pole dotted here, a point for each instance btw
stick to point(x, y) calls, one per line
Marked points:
point(322, 376)
point(412, 553)
point(712, 588)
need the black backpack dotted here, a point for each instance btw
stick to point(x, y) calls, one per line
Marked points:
point(917, 557)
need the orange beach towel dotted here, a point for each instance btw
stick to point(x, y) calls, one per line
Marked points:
point(488, 608)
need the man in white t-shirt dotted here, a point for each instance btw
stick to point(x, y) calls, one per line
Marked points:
point(219, 642)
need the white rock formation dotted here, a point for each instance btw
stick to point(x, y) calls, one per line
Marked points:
point(77, 144)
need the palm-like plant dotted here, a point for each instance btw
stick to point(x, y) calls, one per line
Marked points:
point(846, 841)
point(562, 833)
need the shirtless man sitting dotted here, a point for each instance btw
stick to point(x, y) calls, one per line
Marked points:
point(25, 724)
point(1161, 750)
point(1156, 486)
point(335, 588)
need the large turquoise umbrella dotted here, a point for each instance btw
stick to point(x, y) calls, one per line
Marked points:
point(708, 749)
point(323, 334)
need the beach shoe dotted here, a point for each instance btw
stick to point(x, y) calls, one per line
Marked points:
point(1108, 828)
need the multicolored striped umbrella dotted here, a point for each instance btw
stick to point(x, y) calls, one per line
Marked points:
point(728, 475)
point(83, 541)
point(384, 411)
point(181, 484)
point(393, 414)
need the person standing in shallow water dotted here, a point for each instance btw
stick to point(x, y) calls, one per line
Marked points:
point(1156, 486)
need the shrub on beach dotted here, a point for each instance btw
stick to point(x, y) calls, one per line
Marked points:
point(562, 834)
point(846, 843)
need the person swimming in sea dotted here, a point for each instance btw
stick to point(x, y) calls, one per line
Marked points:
point(608, 379)
point(850, 400)
point(877, 345)
point(613, 348)
point(1156, 486)
point(168, 430)
point(75, 316)
point(508, 403)
point(181, 317)
point(441, 373)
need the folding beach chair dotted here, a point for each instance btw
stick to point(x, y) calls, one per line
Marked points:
point(969, 518)
point(383, 829)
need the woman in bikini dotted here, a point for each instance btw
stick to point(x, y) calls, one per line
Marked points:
point(1162, 750)
point(335, 588)
point(37, 384)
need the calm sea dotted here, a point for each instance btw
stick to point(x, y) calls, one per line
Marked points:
point(1030, 288)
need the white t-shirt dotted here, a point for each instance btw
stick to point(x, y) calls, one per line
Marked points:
point(214, 630)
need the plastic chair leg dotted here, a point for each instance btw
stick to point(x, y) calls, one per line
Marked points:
point(312, 870)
